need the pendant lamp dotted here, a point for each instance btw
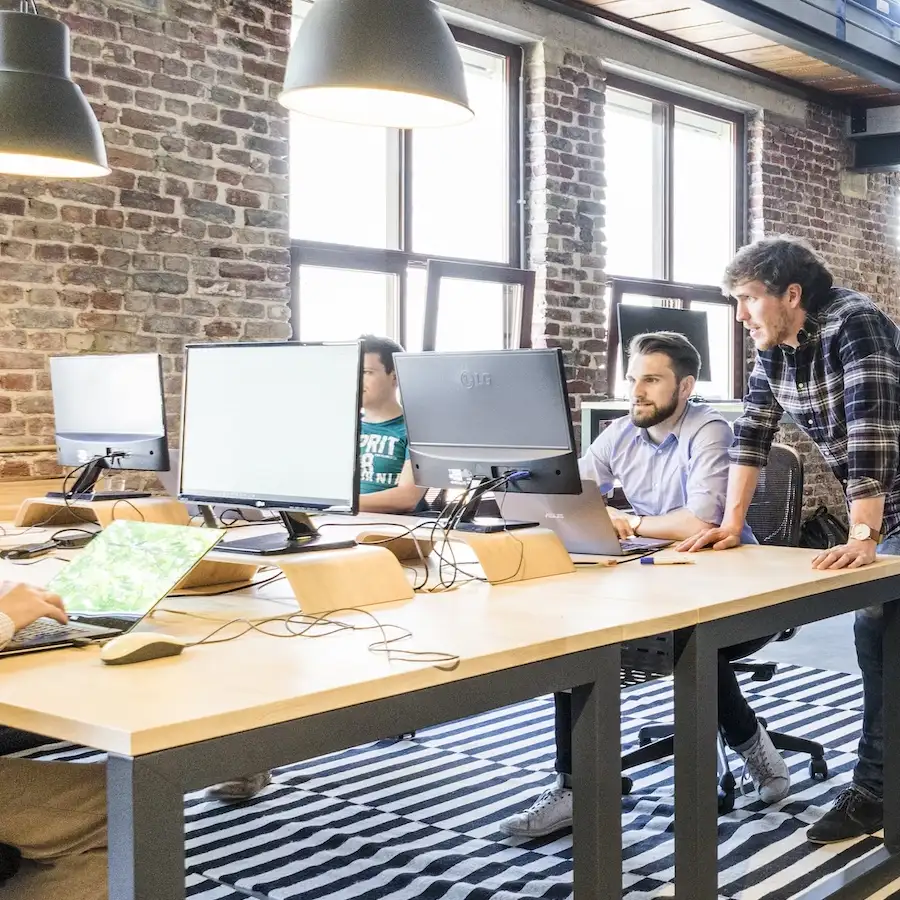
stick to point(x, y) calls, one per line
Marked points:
point(47, 127)
point(377, 62)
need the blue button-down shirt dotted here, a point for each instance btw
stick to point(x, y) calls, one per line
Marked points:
point(688, 470)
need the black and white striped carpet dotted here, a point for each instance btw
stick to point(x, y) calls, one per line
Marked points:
point(398, 820)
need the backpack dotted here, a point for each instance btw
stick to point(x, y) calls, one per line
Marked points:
point(822, 530)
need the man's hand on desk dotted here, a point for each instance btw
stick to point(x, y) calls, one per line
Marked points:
point(620, 523)
point(852, 555)
point(24, 604)
point(721, 538)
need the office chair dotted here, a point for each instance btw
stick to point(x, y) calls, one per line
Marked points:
point(774, 517)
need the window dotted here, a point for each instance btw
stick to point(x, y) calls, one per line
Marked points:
point(674, 215)
point(369, 207)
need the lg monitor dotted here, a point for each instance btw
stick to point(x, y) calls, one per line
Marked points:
point(109, 414)
point(492, 419)
point(635, 320)
point(273, 426)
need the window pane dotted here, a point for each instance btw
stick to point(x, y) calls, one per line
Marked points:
point(716, 384)
point(704, 197)
point(416, 280)
point(344, 183)
point(342, 304)
point(633, 135)
point(463, 170)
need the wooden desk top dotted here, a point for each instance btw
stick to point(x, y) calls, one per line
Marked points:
point(257, 680)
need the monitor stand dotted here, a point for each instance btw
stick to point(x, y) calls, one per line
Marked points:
point(83, 489)
point(302, 537)
point(467, 518)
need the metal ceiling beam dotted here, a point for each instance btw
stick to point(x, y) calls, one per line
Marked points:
point(814, 31)
point(596, 15)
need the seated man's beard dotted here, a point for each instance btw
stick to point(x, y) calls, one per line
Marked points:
point(647, 417)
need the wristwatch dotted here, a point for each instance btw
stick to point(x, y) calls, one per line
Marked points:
point(634, 522)
point(862, 532)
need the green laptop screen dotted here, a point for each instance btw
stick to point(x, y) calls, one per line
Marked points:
point(130, 566)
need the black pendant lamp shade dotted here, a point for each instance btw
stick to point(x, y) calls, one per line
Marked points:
point(47, 127)
point(377, 62)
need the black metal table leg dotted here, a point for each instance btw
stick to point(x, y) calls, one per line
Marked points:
point(146, 832)
point(597, 780)
point(696, 804)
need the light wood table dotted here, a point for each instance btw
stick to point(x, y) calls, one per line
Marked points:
point(179, 724)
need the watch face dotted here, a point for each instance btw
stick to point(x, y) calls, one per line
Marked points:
point(861, 532)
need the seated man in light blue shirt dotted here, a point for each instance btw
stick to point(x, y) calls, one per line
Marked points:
point(671, 458)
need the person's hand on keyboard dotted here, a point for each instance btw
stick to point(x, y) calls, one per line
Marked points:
point(24, 604)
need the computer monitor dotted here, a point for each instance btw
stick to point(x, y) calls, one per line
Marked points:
point(109, 414)
point(273, 426)
point(482, 417)
point(635, 320)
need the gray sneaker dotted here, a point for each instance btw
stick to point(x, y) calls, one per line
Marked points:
point(240, 788)
point(765, 766)
point(552, 811)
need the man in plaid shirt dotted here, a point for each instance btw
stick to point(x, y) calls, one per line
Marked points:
point(831, 359)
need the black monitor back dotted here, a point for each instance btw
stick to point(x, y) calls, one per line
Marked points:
point(635, 320)
point(486, 414)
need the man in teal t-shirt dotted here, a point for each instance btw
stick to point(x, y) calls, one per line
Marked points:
point(386, 483)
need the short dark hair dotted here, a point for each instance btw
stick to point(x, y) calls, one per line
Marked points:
point(384, 347)
point(779, 262)
point(682, 353)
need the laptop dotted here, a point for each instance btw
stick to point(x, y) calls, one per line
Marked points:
point(169, 481)
point(116, 581)
point(581, 521)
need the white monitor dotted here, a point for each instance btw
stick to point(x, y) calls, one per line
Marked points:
point(272, 425)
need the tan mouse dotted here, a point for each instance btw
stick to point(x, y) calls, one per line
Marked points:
point(140, 646)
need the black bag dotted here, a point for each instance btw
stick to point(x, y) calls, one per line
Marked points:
point(9, 862)
point(822, 530)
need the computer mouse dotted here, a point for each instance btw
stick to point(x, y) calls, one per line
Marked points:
point(140, 646)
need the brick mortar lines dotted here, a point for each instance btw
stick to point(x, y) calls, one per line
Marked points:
point(565, 194)
point(187, 239)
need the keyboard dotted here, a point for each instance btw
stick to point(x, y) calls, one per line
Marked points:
point(48, 631)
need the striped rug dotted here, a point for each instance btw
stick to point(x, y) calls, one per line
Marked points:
point(398, 820)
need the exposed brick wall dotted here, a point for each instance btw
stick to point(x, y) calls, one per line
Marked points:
point(565, 192)
point(187, 239)
point(795, 188)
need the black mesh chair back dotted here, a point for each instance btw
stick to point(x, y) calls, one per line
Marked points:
point(775, 512)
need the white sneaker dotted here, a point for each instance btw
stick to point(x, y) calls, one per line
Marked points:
point(240, 788)
point(765, 766)
point(552, 811)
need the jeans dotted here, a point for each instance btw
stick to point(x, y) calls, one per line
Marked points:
point(736, 719)
point(868, 630)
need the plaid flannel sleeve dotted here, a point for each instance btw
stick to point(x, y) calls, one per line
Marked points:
point(755, 429)
point(7, 629)
point(871, 365)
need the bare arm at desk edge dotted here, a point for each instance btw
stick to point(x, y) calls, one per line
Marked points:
point(742, 481)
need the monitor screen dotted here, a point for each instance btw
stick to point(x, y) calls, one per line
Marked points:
point(487, 414)
point(635, 320)
point(272, 425)
point(105, 405)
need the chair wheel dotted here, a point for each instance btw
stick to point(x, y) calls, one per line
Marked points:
point(627, 785)
point(818, 769)
point(726, 802)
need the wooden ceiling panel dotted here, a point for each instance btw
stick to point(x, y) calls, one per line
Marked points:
point(716, 32)
point(700, 23)
point(738, 44)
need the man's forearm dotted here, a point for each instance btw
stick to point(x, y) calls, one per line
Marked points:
point(868, 511)
point(742, 481)
point(674, 526)
point(397, 500)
